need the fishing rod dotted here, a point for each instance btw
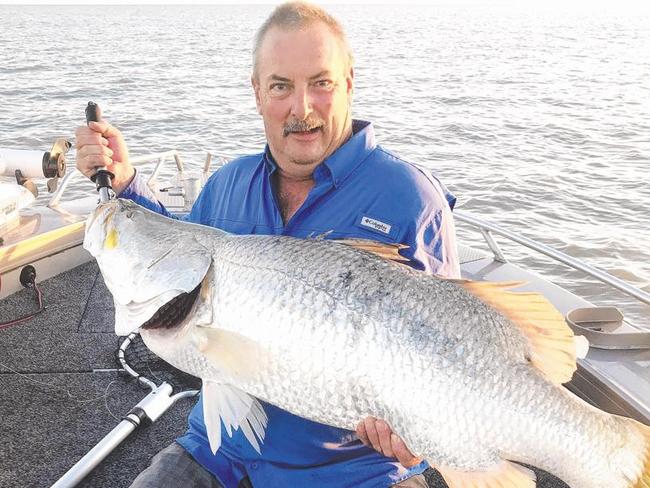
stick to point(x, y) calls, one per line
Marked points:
point(102, 178)
point(161, 396)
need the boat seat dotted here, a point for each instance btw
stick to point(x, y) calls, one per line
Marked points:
point(601, 326)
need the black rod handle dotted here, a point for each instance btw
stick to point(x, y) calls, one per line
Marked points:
point(92, 112)
point(103, 177)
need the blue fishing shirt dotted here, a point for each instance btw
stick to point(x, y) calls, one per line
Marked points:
point(360, 191)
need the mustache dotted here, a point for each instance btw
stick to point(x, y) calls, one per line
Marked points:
point(302, 125)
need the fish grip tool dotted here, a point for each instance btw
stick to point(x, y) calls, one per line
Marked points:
point(144, 364)
point(141, 364)
point(102, 178)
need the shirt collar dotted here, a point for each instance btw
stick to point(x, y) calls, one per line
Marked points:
point(344, 160)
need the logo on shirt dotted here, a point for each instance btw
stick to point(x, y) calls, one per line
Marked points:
point(375, 224)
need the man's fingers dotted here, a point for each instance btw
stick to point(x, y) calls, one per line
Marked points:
point(104, 128)
point(94, 140)
point(371, 430)
point(362, 434)
point(379, 435)
point(98, 160)
point(95, 133)
point(88, 166)
point(84, 135)
point(100, 126)
point(402, 453)
point(384, 434)
point(93, 162)
point(94, 149)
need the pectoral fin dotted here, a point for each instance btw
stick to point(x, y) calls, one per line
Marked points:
point(233, 354)
point(237, 358)
point(505, 475)
point(236, 409)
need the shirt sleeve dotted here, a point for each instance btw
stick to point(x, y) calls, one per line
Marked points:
point(431, 235)
point(139, 192)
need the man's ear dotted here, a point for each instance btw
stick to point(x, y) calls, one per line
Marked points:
point(256, 90)
point(349, 79)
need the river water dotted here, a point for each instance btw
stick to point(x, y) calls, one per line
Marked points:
point(537, 120)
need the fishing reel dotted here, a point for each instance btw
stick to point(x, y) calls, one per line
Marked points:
point(25, 165)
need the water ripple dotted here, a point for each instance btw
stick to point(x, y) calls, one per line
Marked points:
point(539, 122)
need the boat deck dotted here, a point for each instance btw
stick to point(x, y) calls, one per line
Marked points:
point(56, 401)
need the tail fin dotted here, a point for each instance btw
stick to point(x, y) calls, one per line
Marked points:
point(641, 479)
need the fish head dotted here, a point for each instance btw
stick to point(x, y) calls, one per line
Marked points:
point(152, 265)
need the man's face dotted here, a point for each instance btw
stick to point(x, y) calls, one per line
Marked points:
point(303, 91)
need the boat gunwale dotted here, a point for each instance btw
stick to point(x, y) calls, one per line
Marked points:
point(487, 228)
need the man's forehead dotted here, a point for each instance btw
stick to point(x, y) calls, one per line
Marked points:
point(313, 30)
point(320, 74)
point(311, 49)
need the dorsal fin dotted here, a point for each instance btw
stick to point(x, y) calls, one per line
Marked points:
point(554, 348)
point(505, 475)
point(381, 249)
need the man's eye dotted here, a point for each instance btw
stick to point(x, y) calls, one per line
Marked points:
point(278, 87)
point(325, 84)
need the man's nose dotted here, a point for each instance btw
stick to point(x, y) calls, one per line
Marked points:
point(301, 105)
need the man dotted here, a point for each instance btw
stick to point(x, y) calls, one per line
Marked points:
point(321, 172)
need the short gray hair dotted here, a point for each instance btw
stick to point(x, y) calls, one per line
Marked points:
point(294, 15)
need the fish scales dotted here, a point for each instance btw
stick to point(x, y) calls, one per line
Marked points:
point(358, 309)
point(335, 334)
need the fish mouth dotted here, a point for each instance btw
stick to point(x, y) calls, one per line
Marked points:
point(174, 312)
point(96, 223)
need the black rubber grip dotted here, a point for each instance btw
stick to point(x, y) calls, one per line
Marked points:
point(103, 177)
point(141, 414)
point(92, 112)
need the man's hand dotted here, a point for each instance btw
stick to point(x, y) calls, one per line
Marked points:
point(100, 144)
point(378, 435)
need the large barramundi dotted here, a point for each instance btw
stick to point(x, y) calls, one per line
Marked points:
point(469, 374)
